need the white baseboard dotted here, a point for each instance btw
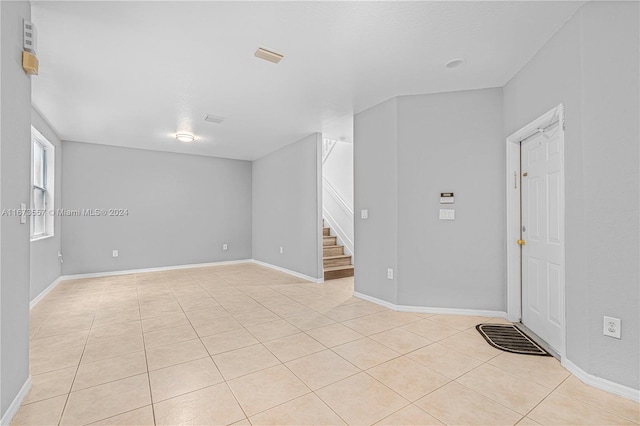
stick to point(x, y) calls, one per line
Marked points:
point(158, 269)
point(17, 402)
point(44, 292)
point(600, 383)
point(288, 271)
point(428, 310)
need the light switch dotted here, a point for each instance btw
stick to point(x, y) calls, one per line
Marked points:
point(364, 214)
point(447, 214)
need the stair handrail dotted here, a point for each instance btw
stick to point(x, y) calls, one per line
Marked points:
point(336, 196)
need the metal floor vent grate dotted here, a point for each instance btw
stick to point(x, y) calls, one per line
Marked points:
point(509, 338)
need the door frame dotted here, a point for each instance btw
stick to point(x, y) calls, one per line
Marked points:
point(513, 182)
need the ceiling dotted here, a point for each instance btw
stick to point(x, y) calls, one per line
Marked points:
point(136, 73)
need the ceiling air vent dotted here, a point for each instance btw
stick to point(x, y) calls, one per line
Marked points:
point(213, 118)
point(268, 55)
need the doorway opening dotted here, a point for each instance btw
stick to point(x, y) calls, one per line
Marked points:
point(536, 229)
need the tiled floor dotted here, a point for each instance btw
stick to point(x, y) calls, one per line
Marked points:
point(244, 344)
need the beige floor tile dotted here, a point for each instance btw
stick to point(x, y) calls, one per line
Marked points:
point(614, 404)
point(42, 361)
point(168, 321)
point(109, 370)
point(203, 316)
point(138, 417)
point(526, 421)
point(459, 322)
point(244, 361)
point(294, 346)
point(430, 330)
point(559, 409)
point(277, 385)
point(229, 341)
point(218, 325)
point(401, 340)
point(182, 378)
point(456, 404)
point(256, 317)
point(115, 331)
point(365, 353)
point(471, 343)
point(305, 410)
point(45, 412)
point(110, 348)
point(322, 369)
point(408, 378)
point(361, 399)
point(107, 400)
point(197, 408)
point(445, 361)
point(544, 370)
point(273, 330)
point(410, 416)
point(195, 303)
point(51, 384)
point(243, 422)
point(107, 317)
point(310, 321)
point(334, 335)
point(368, 325)
point(63, 341)
point(352, 310)
point(168, 336)
point(175, 353)
point(516, 393)
point(289, 310)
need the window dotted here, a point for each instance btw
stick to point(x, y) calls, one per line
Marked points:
point(42, 186)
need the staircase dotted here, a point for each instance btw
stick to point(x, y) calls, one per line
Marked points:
point(336, 263)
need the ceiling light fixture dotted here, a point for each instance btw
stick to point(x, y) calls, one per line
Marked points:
point(185, 137)
point(268, 55)
point(454, 63)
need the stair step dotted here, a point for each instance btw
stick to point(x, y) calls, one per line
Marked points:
point(325, 231)
point(338, 272)
point(341, 260)
point(329, 241)
point(332, 250)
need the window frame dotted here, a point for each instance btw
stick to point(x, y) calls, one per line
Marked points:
point(47, 188)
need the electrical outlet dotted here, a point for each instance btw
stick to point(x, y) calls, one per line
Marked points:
point(281, 250)
point(225, 247)
point(364, 214)
point(115, 253)
point(611, 327)
point(390, 273)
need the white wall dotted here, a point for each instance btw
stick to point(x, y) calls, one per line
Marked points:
point(376, 190)
point(451, 142)
point(287, 207)
point(592, 66)
point(407, 151)
point(45, 266)
point(181, 208)
point(15, 155)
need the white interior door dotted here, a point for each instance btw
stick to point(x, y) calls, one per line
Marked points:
point(543, 234)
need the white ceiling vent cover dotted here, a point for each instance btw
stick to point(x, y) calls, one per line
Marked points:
point(214, 118)
point(268, 55)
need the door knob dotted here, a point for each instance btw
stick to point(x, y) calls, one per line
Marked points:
point(521, 242)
